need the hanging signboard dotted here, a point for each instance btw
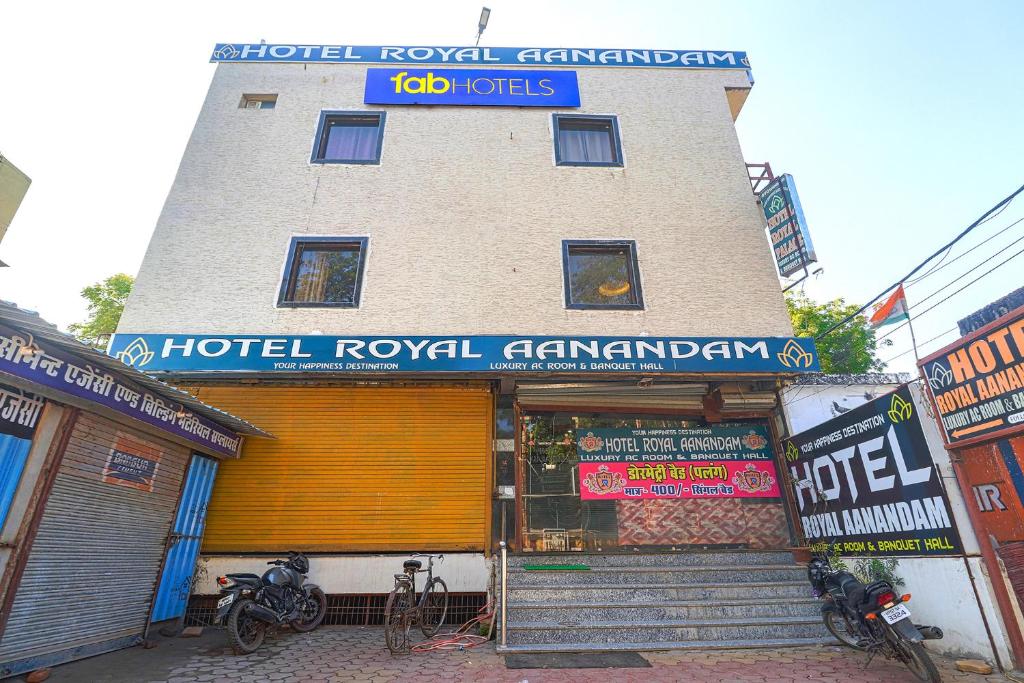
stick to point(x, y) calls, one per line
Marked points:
point(866, 482)
point(977, 383)
point(717, 461)
point(464, 354)
point(787, 226)
point(473, 87)
point(23, 357)
point(479, 56)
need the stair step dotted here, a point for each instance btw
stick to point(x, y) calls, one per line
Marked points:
point(735, 558)
point(649, 603)
point(587, 593)
point(540, 648)
point(651, 575)
point(669, 631)
point(660, 611)
point(668, 623)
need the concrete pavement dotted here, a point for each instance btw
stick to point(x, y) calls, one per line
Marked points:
point(358, 654)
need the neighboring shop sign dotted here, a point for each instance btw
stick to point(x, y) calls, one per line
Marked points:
point(479, 87)
point(132, 463)
point(717, 461)
point(482, 56)
point(482, 353)
point(787, 226)
point(977, 383)
point(19, 412)
point(867, 480)
point(24, 357)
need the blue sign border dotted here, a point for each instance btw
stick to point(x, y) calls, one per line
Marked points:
point(474, 354)
point(483, 56)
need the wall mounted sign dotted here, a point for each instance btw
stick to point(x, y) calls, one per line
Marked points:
point(474, 87)
point(866, 481)
point(977, 383)
point(717, 461)
point(132, 463)
point(787, 226)
point(19, 412)
point(479, 56)
point(462, 354)
point(31, 360)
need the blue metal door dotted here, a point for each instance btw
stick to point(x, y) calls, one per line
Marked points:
point(176, 581)
point(13, 454)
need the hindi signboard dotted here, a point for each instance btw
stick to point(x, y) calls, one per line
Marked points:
point(787, 226)
point(977, 383)
point(717, 461)
point(867, 482)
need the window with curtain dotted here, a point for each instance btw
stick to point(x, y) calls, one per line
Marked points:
point(601, 275)
point(349, 138)
point(324, 272)
point(587, 141)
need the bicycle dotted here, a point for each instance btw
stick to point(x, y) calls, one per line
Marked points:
point(403, 611)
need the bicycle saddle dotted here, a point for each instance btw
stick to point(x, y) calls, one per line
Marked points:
point(412, 564)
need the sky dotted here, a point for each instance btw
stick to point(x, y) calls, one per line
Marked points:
point(901, 123)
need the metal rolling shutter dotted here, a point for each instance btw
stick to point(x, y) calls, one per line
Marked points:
point(354, 469)
point(92, 568)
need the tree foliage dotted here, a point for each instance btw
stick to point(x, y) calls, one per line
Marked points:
point(848, 350)
point(106, 303)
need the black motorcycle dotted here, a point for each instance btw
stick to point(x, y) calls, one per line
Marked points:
point(252, 604)
point(871, 618)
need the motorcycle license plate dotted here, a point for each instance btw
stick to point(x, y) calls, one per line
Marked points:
point(894, 614)
point(225, 601)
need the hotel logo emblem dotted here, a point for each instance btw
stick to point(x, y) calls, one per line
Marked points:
point(226, 52)
point(603, 481)
point(591, 443)
point(900, 410)
point(793, 356)
point(939, 377)
point(135, 354)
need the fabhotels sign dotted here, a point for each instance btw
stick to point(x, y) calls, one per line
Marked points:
point(479, 56)
point(462, 354)
point(495, 87)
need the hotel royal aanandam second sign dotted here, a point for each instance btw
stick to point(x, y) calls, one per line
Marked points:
point(463, 354)
point(481, 56)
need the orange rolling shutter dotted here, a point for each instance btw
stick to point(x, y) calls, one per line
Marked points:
point(354, 469)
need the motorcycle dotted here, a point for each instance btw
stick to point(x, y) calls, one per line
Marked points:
point(250, 604)
point(871, 618)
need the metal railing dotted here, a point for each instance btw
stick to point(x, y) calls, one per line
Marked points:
point(504, 580)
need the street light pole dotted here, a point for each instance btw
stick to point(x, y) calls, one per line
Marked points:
point(485, 14)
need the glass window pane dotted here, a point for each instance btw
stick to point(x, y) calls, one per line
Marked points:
point(586, 141)
point(350, 139)
point(325, 275)
point(601, 275)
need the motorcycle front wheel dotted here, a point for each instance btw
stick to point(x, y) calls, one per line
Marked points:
point(246, 633)
point(841, 629)
point(313, 611)
point(915, 656)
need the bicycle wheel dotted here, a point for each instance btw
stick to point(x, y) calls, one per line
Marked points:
point(435, 608)
point(396, 620)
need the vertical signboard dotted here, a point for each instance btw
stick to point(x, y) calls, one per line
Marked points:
point(866, 482)
point(977, 383)
point(787, 226)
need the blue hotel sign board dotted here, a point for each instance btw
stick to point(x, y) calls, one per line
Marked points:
point(494, 87)
point(491, 354)
point(479, 56)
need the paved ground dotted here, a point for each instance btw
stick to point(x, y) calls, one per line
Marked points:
point(358, 654)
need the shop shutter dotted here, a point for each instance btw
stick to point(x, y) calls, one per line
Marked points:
point(354, 469)
point(92, 568)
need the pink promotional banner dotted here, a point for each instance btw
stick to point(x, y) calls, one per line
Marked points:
point(650, 480)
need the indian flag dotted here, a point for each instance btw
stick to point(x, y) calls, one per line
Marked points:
point(893, 310)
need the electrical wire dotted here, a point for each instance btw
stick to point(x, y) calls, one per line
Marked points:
point(938, 266)
point(928, 341)
point(979, 244)
point(984, 217)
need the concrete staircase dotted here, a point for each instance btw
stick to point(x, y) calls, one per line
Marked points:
point(692, 600)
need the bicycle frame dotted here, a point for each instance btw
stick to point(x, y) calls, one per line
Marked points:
point(409, 577)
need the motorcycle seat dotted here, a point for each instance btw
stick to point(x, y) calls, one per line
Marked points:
point(243, 578)
point(412, 564)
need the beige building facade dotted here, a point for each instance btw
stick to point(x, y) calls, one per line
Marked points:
point(452, 315)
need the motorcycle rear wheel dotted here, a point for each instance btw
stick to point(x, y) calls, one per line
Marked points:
point(245, 632)
point(915, 656)
point(309, 621)
point(841, 629)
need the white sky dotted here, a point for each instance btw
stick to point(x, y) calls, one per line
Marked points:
point(900, 125)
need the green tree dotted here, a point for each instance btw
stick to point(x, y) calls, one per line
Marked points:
point(847, 350)
point(106, 303)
